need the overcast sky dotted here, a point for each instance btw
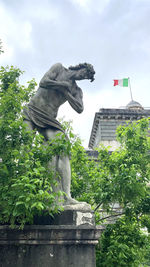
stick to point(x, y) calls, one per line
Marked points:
point(113, 35)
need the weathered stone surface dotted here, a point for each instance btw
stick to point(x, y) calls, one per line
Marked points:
point(80, 206)
point(58, 85)
point(48, 246)
point(67, 217)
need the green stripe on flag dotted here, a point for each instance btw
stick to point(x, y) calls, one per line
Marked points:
point(125, 82)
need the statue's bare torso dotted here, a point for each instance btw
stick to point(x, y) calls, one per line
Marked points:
point(54, 90)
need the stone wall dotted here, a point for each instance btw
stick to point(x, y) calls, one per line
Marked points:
point(49, 245)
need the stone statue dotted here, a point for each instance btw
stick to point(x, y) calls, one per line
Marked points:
point(56, 87)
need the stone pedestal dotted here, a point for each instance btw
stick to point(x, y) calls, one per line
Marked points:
point(51, 245)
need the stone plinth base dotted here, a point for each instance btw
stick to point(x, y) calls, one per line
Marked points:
point(67, 217)
point(48, 246)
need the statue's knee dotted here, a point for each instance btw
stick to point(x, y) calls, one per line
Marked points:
point(51, 133)
point(29, 125)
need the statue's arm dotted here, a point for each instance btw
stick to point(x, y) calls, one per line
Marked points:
point(49, 80)
point(76, 100)
point(51, 84)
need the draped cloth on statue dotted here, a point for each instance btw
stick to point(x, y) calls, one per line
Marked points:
point(40, 118)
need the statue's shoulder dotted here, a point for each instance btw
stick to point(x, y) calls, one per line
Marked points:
point(52, 72)
point(56, 67)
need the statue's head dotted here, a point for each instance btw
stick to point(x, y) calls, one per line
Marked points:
point(86, 69)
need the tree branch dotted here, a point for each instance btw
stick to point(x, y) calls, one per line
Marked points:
point(98, 206)
point(115, 215)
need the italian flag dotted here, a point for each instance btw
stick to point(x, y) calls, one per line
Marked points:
point(123, 82)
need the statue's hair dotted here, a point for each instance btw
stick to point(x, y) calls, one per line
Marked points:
point(88, 67)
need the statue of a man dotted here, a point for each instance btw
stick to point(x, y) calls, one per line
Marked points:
point(56, 87)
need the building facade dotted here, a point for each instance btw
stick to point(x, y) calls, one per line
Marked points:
point(107, 120)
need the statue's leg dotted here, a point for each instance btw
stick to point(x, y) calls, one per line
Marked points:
point(62, 165)
point(64, 170)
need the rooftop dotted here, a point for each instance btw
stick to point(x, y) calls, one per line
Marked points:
point(134, 105)
point(108, 119)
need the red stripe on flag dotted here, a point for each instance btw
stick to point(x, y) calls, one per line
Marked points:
point(115, 82)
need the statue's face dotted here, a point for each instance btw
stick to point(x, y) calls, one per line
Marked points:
point(81, 74)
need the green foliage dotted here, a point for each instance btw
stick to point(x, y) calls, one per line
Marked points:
point(128, 170)
point(1, 51)
point(25, 181)
point(26, 185)
point(147, 253)
point(83, 171)
point(122, 244)
point(119, 177)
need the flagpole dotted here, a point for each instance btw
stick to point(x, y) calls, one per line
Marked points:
point(130, 89)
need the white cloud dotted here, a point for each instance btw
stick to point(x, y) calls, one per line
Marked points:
point(90, 6)
point(27, 31)
point(16, 34)
point(82, 3)
point(113, 35)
